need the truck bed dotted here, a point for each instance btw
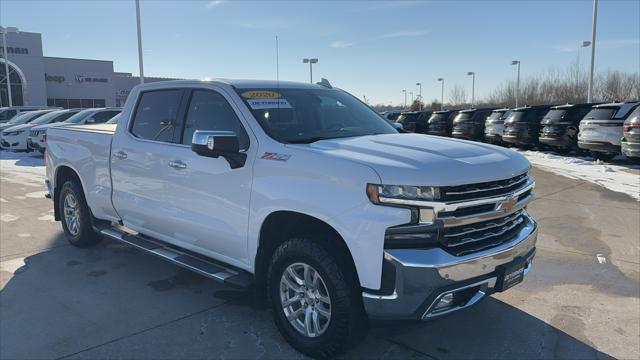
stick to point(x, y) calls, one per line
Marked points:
point(87, 150)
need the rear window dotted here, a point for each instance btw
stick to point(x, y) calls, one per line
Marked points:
point(466, 116)
point(601, 113)
point(497, 115)
point(439, 117)
point(557, 114)
point(156, 116)
point(405, 118)
point(517, 116)
point(625, 110)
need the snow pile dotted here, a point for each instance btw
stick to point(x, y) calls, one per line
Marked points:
point(22, 168)
point(619, 178)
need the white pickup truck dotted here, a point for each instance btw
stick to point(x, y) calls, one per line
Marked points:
point(302, 193)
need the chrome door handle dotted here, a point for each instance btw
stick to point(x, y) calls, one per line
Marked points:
point(177, 164)
point(121, 155)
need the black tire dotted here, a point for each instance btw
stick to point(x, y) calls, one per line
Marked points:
point(41, 151)
point(82, 234)
point(634, 159)
point(562, 151)
point(348, 322)
point(602, 156)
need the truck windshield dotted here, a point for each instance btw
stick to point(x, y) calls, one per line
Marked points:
point(309, 115)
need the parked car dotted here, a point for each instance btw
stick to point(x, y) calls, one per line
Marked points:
point(113, 120)
point(414, 121)
point(15, 137)
point(37, 138)
point(494, 125)
point(441, 122)
point(601, 130)
point(631, 139)
point(7, 113)
point(522, 127)
point(391, 115)
point(23, 118)
point(560, 126)
point(336, 216)
point(469, 124)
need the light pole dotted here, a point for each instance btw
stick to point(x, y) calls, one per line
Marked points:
point(580, 46)
point(411, 93)
point(420, 96)
point(139, 42)
point(442, 95)
point(4, 31)
point(517, 62)
point(473, 86)
point(405, 98)
point(593, 50)
point(310, 62)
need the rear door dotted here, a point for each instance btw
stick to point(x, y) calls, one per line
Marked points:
point(140, 159)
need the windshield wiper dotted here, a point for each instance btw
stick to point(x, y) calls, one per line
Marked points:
point(309, 140)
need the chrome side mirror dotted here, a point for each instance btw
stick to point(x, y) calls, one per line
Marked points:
point(218, 143)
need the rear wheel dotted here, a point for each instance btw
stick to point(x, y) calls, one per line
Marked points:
point(76, 217)
point(602, 156)
point(316, 302)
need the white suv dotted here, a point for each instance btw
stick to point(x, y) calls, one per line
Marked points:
point(601, 129)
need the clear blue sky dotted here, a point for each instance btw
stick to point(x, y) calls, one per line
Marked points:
point(368, 48)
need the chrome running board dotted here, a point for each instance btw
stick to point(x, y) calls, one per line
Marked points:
point(213, 270)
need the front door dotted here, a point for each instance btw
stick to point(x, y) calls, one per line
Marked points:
point(208, 201)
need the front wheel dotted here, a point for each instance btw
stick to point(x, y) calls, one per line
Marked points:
point(316, 302)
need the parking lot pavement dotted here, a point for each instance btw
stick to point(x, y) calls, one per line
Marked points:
point(582, 299)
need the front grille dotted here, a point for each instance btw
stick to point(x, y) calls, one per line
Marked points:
point(464, 239)
point(34, 133)
point(483, 190)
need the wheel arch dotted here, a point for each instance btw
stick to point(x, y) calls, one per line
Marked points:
point(282, 225)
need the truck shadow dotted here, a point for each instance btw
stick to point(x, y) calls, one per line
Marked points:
point(82, 301)
point(31, 159)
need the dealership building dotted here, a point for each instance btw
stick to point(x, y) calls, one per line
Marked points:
point(38, 80)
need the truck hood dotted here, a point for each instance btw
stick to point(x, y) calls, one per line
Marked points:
point(416, 159)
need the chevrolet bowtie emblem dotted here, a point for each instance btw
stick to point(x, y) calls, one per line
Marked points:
point(508, 204)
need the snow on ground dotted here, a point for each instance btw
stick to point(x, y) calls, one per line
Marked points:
point(619, 178)
point(28, 169)
point(22, 168)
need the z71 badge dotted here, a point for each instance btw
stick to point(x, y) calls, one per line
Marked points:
point(275, 156)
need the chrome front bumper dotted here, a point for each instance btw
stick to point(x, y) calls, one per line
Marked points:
point(424, 276)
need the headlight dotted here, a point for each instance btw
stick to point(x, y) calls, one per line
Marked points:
point(401, 194)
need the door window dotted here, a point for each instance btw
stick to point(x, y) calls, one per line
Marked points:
point(104, 116)
point(208, 110)
point(156, 116)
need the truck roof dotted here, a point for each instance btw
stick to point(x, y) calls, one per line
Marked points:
point(240, 84)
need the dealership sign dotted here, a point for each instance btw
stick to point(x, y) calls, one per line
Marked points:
point(87, 79)
point(54, 78)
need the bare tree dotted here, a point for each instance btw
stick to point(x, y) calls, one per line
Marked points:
point(457, 95)
point(416, 105)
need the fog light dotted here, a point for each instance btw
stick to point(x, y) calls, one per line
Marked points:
point(427, 216)
point(445, 302)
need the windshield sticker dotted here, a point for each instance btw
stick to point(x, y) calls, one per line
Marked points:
point(260, 95)
point(259, 104)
